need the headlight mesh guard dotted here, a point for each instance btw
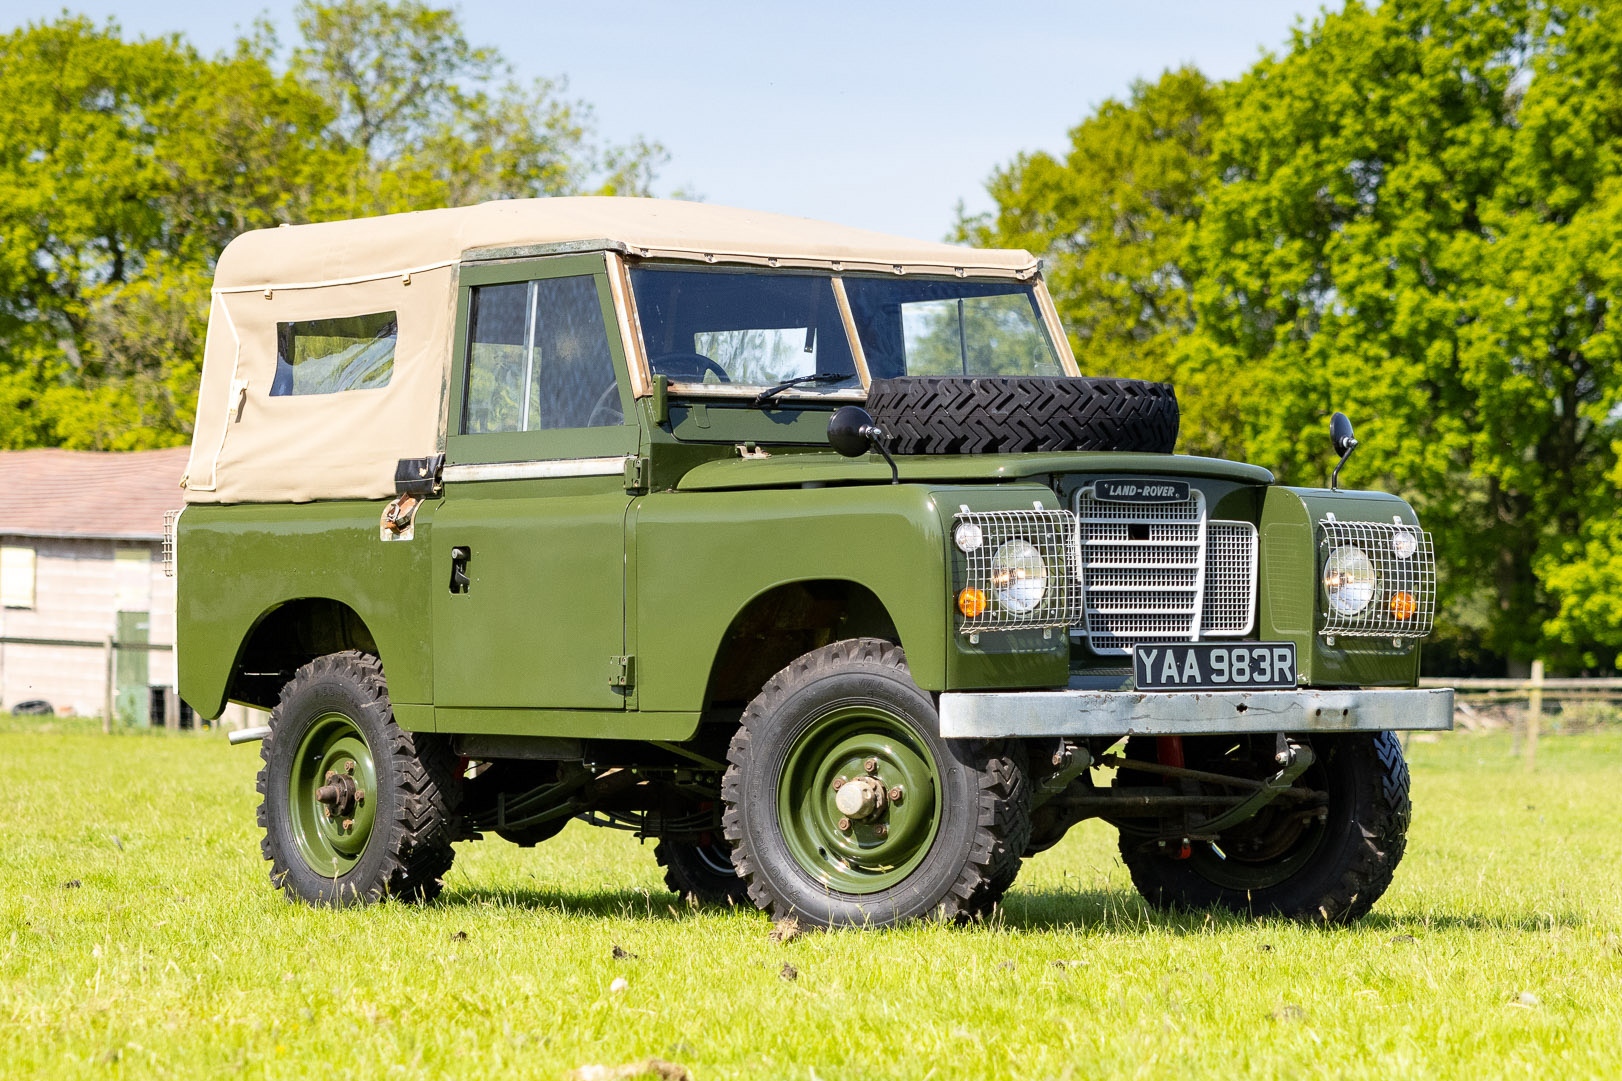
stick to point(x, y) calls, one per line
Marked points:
point(1053, 533)
point(1415, 576)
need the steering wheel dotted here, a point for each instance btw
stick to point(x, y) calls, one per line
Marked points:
point(687, 367)
point(607, 407)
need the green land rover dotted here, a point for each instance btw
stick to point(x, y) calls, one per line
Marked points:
point(805, 551)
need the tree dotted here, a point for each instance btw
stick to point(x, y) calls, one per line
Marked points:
point(1112, 221)
point(1406, 231)
point(431, 116)
point(1414, 214)
point(125, 167)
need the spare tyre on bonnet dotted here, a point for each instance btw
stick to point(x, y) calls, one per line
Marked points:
point(808, 552)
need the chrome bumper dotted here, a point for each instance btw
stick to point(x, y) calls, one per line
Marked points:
point(1182, 713)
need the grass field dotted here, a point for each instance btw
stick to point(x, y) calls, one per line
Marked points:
point(140, 938)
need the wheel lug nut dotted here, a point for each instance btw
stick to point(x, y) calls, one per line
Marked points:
point(895, 794)
point(349, 824)
point(838, 783)
point(871, 765)
point(844, 823)
point(881, 830)
point(349, 766)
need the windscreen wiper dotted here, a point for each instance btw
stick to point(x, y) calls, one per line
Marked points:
point(818, 377)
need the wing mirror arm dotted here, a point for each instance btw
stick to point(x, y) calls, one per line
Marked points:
point(852, 432)
point(1341, 438)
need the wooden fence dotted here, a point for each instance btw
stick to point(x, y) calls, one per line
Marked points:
point(1533, 690)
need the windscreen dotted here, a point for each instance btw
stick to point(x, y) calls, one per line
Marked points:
point(752, 330)
point(912, 327)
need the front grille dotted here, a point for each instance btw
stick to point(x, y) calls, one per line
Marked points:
point(1161, 572)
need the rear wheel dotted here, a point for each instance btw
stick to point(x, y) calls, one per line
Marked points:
point(1327, 863)
point(846, 807)
point(701, 870)
point(354, 808)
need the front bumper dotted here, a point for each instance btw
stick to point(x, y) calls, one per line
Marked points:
point(1184, 713)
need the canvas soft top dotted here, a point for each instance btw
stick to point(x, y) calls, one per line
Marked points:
point(654, 228)
point(255, 442)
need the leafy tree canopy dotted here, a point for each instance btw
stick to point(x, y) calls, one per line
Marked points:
point(125, 166)
point(1413, 214)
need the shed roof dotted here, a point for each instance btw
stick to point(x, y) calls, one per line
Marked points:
point(341, 250)
point(81, 493)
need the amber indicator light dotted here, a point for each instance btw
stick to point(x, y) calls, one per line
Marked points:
point(1403, 605)
point(971, 602)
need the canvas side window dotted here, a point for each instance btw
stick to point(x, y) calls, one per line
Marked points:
point(17, 577)
point(325, 356)
point(538, 358)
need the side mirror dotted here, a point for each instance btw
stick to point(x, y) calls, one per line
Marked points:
point(1340, 434)
point(1343, 441)
point(848, 431)
point(851, 432)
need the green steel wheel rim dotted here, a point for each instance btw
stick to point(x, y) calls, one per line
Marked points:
point(331, 836)
point(876, 852)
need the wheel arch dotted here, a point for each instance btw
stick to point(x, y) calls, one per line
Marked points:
point(280, 639)
point(784, 621)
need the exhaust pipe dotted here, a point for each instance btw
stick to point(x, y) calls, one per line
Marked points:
point(248, 735)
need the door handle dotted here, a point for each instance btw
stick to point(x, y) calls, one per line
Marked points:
point(459, 560)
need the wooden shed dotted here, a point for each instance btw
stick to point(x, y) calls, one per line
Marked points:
point(87, 614)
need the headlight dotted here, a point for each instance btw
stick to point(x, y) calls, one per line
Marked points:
point(968, 536)
point(1349, 580)
point(1020, 576)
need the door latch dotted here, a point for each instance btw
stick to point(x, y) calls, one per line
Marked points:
point(459, 560)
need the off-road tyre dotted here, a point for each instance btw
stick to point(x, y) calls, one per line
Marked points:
point(693, 871)
point(1012, 414)
point(1358, 847)
point(408, 849)
point(982, 796)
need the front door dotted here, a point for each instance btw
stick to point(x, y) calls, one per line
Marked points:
point(529, 544)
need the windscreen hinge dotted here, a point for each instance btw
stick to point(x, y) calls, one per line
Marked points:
point(636, 475)
point(622, 671)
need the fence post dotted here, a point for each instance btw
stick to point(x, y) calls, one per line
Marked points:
point(107, 700)
point(1534, 715)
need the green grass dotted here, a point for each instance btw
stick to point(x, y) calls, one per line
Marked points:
point(174, 958)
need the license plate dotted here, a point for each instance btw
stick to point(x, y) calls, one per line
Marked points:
point(1211, 667)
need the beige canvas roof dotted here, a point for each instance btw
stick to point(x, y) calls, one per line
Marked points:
point(334, 251)
point(253, 443)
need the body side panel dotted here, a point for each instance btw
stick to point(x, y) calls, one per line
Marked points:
point(242, 561)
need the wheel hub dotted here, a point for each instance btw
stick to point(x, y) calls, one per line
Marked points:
point(861, 798)
point(857, 800)
point(340, 794)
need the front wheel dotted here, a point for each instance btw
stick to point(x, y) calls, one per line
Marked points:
point(1326, 863)
point(354, 808)
point(845, 807)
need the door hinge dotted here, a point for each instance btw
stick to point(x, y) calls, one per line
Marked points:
point(622, 671)
point(636, 475)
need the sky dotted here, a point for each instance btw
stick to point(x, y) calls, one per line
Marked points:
point(878, 115)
